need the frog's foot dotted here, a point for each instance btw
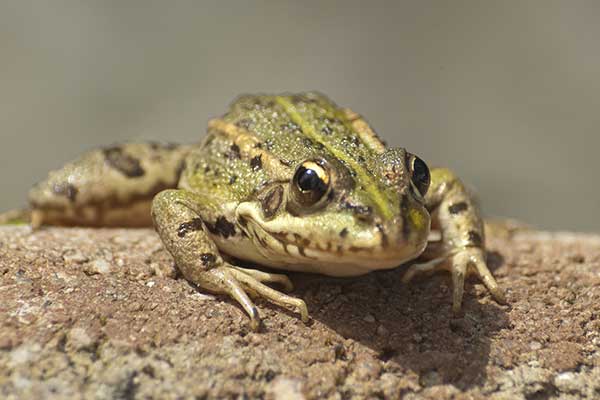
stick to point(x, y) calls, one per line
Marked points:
point(268, 277)
point(237, 282)
point(460, 263)
point(15, 217)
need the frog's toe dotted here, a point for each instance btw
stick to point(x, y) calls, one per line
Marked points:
point(483, 272)
point(459, 271)
point(472, 260)
point(230, 285)
point(457, 268)
point(268, 277)
point(425, 268)
point(253, 285)
point(460, 264)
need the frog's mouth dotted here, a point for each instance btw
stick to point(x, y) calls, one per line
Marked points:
point(282, 244)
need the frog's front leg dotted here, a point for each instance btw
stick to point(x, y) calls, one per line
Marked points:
point(177, 219)
point(463, 246)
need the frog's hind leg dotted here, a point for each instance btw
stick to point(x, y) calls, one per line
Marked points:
point(111, 186)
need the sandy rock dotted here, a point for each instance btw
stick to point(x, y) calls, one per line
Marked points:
point(101, 313)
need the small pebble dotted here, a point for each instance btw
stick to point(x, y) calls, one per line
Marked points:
point(285, 389)
point(78, 339)
point(369, 318)
point(75, 257)
point(382, 331)
point(100, 266)
point(534, 345)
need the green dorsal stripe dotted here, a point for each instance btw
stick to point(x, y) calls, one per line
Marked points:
point(362, 175)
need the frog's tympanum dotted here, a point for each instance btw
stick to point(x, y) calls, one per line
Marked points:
point(291, 182)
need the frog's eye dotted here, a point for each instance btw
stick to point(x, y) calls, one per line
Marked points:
point(419, 175)
point(310, 182)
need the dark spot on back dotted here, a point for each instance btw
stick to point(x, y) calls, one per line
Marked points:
point(232, 179)
point(208, 259)
point(244, 123)
point(353, 139)
point(475, 239)
point(122, 162)
point(234, 152)
point(66, 189)
point(222, 227)
point(190, 226)
point(458, 207)
point(344, 233)
point(308, 142)
point(326, 130)
point(256, 162)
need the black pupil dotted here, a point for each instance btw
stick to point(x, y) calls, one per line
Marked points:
point(421, 175)
point(308, 180)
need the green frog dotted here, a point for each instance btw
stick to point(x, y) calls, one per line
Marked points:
point(292, 182)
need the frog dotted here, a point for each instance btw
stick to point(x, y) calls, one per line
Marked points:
point(291, 182)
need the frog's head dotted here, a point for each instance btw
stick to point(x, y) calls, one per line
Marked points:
point(328, 218)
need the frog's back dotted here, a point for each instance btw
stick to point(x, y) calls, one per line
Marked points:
point(261, 139)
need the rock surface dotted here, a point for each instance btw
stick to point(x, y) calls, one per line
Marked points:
point(101, 313)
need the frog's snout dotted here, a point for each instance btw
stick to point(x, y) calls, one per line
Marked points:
point(409, 230)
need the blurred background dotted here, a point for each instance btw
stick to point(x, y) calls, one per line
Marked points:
point(506, 93)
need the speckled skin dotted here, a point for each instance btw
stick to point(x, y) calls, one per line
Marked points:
point(239, 194)
point(113, 186)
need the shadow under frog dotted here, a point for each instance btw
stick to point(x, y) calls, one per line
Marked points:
point(408, 327)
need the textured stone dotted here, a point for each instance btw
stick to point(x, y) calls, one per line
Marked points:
point(128, 327)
